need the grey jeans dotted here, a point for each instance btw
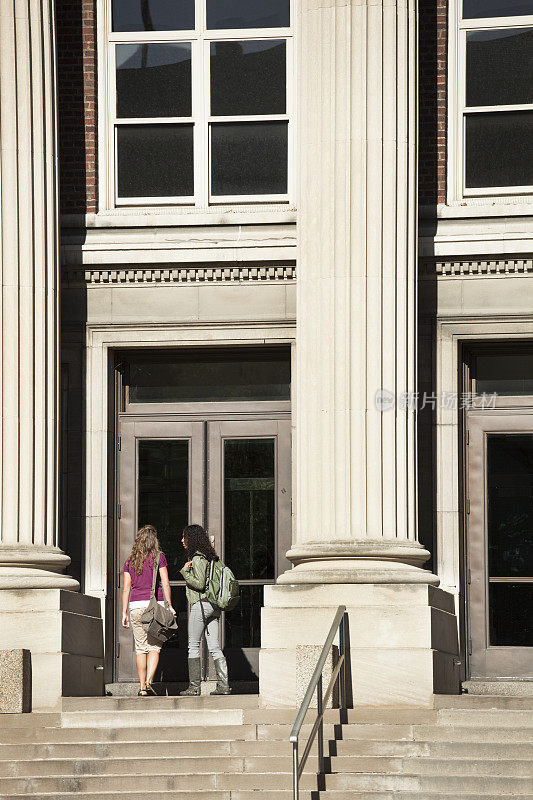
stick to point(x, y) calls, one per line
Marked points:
point(196, 628)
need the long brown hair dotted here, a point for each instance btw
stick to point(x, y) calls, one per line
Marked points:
point(146, 544)
point(197, 539)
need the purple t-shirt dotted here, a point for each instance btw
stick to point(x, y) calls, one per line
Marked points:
point(141, 585)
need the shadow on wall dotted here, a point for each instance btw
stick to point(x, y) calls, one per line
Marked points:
point(426, 421)
point(433, 16)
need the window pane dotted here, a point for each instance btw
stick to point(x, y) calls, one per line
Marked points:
point(153, 15)
point(476, 9)
point(210, 376)
point(511, 614)
point(249, 158)
point(153, 80)
point(509, 374)
point(249, 507)
point(243, 624)
point(248, 78)
point(163, 494)
point(499, 67)
point(510, 505)
point(246, 14)
point(155, 160)
point(499, 149)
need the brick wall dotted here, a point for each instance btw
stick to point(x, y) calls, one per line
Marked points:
point(77, 96)
point(433, 107)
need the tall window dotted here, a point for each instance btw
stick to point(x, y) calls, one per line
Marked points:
point(200, 101)
point(495, 97)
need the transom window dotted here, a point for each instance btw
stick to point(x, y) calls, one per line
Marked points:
point(495, 91)
point(200, 102)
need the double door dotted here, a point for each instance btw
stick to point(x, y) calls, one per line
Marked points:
point(499, 542)
point(232, 477)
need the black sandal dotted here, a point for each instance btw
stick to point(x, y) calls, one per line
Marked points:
point(150, 689)
point(142, 693)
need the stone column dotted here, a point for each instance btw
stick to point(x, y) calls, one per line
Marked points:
point(356, 312)
point(29, 552)
point(62, 630)
point(355, 539)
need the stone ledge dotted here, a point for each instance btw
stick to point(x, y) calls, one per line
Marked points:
point(15, 681)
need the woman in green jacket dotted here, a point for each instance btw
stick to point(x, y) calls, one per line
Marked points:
point(203, 614)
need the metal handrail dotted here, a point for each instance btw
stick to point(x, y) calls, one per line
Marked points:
point(339, 624)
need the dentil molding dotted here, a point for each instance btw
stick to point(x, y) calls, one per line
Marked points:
point(237, 273)
point(461, 268)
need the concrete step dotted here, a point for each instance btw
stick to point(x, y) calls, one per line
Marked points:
point(502, 688)
point(153, 782)
point(487, 750)
point(474, 784)
point(172, 688)
point(471, 733)
point(467, 766)
point(213, 794)
point(150, 749)
point(133, 734)
point(271, 794)
point(429, 766)
point(141, 718)
point(164, 765)
point(494, 717)
point(135, 703)
point(467, 749)
point(483, 701)
point(30, 721)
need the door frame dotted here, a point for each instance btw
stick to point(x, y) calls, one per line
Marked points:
point(486, 659)
point(103, 341)
point(131, 432)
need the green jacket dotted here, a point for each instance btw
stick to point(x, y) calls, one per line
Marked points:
point(195, 578)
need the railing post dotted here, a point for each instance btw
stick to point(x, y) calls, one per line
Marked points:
point(342, 650)
point(295, 779)
point(320, 727)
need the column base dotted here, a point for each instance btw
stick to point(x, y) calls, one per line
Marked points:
point(366, 561)
point(34, 567)
point(403, 640)
point(63, 632)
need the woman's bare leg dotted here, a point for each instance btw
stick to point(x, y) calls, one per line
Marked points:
point(140, 659)
point(153, 660)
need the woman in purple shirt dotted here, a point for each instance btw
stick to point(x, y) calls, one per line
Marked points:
point(138, 577)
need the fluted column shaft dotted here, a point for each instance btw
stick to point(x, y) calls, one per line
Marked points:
point(29, 553)
point(356, 307)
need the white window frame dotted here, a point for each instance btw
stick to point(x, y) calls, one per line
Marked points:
point(458, 110)
point(201, 119)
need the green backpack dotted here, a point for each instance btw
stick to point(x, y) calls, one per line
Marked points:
point(221, 588)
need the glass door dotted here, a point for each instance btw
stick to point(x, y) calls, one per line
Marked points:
point(234, 478)
point(500, 543)
point(161, 478)
point(249, 512)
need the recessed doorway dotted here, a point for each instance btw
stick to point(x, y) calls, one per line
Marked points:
point(214, 452)
point(499, 513)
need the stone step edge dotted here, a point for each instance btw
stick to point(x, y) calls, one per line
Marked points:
point(385, 774)
point(429, 758)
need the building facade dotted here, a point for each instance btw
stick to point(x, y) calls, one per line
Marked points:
point(267, 266)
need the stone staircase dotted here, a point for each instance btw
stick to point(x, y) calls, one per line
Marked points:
point(230, 748)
